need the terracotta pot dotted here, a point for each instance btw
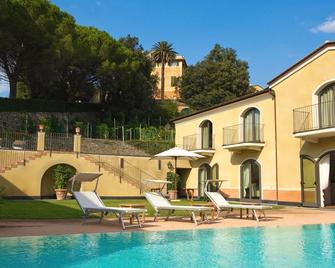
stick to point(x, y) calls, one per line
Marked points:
point(77, 129)
point(172, 194)
point(40, 128)
point(61, 194)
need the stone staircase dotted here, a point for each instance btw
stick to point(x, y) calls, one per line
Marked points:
point(130, 173)
point(10, 159)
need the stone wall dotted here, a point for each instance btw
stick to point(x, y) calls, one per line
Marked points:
point(17, 121)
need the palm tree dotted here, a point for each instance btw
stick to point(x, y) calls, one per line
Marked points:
point(162, 52)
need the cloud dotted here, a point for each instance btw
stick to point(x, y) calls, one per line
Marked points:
point(4, 89)
point(326, 27)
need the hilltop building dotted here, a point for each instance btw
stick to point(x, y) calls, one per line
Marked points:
point(173, 71)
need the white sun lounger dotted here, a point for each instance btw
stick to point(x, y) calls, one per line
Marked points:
point(90, 202)
point(159, 202)
point(222, 204)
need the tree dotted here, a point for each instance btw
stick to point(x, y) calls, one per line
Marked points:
point(46, 55)
point(217, 78)
point(163, 52)
point(34, 36)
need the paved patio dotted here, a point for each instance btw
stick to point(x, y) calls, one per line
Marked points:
point(278, 217)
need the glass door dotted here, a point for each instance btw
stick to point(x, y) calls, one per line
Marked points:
point(327, 107)
point(308, 182)
point(250, 181)
point(204, 173)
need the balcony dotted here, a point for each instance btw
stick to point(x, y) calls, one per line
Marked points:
point(242, 137)
point(198, 144)
point(314, 121)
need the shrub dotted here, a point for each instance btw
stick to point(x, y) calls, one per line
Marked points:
point(62, 175)
point(50, 124)
point(174, 178)
point(2, 191)
point(103, 131)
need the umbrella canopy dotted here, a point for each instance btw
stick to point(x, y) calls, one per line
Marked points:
point(177, 153)
point(82, 177)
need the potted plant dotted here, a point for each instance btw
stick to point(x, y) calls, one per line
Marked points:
point(172, 187)
point(62, 175)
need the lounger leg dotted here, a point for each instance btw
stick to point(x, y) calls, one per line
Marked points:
point(138, 220)
point(122, 221)
point(156, 215)
point(168, 215)
point(205, 217)
point(218, 213)
point(101, 216)
point(194, 218)
point(255, 214)
point(84, 218)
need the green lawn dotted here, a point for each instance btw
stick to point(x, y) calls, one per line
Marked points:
point(67, 209)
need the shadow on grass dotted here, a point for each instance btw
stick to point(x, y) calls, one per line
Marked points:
point(39, 209)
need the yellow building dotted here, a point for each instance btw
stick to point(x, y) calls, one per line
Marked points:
point(274, 145)
point(173, 71)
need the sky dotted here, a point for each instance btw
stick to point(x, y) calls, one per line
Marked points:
point(270, 35)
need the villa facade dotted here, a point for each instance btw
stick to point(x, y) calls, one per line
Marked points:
point(275, 145)
point(173, 71)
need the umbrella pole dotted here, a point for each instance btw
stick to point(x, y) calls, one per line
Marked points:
point(175, 173)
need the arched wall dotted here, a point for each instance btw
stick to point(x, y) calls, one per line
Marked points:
point(25, 181)
point(48, 181)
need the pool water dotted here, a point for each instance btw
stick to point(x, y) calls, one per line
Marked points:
point(302, 246)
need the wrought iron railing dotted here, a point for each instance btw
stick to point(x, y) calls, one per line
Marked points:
point(243, 133)
point(18, 141)
point(314, 117)
point(59, 142)
point(11, 157)
point(198, 142)
point(125, 171)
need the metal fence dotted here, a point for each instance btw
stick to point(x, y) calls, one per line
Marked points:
point(243, 133)
point(18, 141)
point(11, 157)
point(59, 142)
point(312, 117)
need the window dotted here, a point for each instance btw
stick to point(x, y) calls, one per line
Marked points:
point(174, 81)
point(215, 176)
point(203, 176)
point(206, 134)
point(327, 106)
point(250, 180)
point(173, 63)
point(251, 126)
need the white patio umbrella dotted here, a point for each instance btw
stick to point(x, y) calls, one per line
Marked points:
point(177, 153)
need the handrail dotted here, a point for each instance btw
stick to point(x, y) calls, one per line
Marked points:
point(314, 117)
point(118, 171)
point(243, 133)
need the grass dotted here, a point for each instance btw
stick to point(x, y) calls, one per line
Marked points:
point(66, 209)
point(69, 209)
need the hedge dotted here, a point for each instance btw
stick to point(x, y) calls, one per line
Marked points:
point(34, 105)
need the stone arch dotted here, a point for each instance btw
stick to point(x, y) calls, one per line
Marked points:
point(48, 181)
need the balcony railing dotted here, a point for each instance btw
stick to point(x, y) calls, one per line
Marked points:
point(197, 142)
point(243, 133)
point(314, 117)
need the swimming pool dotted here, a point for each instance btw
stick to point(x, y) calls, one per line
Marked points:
point(302, 246)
